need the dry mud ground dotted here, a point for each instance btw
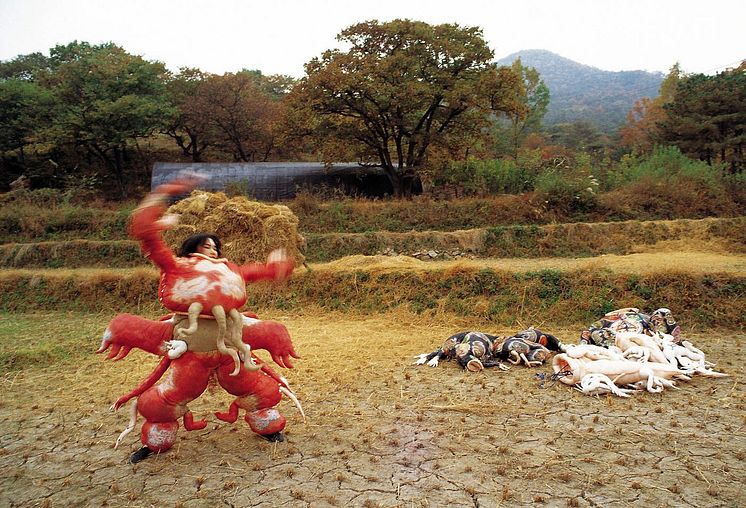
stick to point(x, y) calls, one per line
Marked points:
point(383, 432)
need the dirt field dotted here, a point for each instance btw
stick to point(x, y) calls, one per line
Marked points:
point(383, 432)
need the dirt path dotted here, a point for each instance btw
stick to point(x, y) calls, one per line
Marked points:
point(643, 262)
point(382, 432)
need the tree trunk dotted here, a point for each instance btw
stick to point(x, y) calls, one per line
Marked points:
point(118, 168)
point(196, 152)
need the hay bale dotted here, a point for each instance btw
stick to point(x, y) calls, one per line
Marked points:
point(249, 230)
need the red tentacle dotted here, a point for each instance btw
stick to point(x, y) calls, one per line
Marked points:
point(190, 424)
point(229, 416)
point(267, 370)
point(149, 381)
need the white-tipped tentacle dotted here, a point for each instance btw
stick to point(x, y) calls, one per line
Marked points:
point(130, 425)
point(290, 395)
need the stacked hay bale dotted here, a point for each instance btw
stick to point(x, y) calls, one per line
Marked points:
point(248, 230)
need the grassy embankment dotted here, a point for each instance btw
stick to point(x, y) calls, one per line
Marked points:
point(81, 238)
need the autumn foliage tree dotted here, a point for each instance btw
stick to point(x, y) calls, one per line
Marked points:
point(400, 88)
point(643, 128)
point(245, 116)
point(517, 123)
point(191, 127)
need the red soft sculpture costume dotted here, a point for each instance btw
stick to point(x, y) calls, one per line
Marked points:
point(211, 282)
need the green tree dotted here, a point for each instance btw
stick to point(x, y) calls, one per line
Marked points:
point(707, 118)
point(24, 106)
point(579, 136)
point(107, 99)
point(402, 87)
point(25, 67)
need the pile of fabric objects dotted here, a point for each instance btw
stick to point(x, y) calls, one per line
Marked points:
point(628, 350)
point(475, 351)
point(623, 352)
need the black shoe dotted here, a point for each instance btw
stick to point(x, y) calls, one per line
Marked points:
point(140, 454)
point(277, 437)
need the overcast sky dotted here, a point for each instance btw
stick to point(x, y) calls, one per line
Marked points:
point(280, 36)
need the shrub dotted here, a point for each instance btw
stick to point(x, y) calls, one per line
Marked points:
point(480, 177)
point(668, 184)
point(569, 187)
point(667, 165)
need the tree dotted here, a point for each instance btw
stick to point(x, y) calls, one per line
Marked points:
point(642, 130)
point(25, 67)
point(245, 117)
point(707, 118)
point(106, 100)
point(400, 88)
point(191, 127)
point(533, 96)
point(578, 136)
point(24, 106)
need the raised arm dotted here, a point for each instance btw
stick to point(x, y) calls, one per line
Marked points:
point(277, 267)
point(147, 221)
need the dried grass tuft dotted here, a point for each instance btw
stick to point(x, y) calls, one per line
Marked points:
point(249, 230)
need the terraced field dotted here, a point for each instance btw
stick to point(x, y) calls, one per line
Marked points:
point(381, 431)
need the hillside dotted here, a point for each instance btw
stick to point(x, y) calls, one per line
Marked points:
point(581, 92)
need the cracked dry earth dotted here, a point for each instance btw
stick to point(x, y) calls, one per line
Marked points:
point(382, 432)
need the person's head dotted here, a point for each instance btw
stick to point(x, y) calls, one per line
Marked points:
point(201, 243)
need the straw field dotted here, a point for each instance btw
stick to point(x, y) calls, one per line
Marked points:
point(381, 432)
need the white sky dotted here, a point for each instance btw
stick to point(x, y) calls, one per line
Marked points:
point(280, 36)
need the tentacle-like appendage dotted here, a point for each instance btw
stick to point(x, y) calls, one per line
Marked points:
point(229, 416)
point(596, 383)
point(219, 313)
point(191, 424)
point(130, 425)
point(124, 351)
point(709, 372)
point(528, 362)
point(195, 309)
point(235, 334)
point(148, 382)
point(290, 395)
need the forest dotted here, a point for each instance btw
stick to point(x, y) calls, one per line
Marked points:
point(426, 103)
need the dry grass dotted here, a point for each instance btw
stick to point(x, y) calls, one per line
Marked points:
point(558, 240)
point(694, 262)
point(71, 254)
point(563, 240)
point(702, 288)
point(248, 230)
point(380, 431)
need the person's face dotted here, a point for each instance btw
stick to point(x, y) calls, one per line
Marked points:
point(208, 248)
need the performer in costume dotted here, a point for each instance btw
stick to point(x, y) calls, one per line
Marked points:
point(192, 348)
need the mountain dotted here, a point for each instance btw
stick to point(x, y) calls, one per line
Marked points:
point(584, 93)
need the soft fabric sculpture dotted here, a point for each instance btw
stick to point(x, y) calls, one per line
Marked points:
point(475, 351)
point(192, 355)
